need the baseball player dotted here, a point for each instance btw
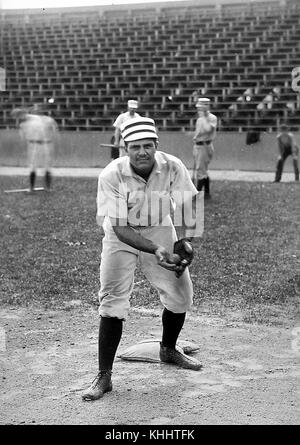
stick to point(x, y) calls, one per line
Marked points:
point(205, 133)
point(287, 146)
point(39, 132)
point(131, 113)
point(136, 229)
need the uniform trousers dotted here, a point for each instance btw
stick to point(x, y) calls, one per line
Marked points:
point(40, 154)
point(117, 267)
point(280, 163)
point(202, 156)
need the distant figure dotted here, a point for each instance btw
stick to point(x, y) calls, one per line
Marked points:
point(253, 134)
point(195, 96)
point(114, 152)
point(203, 149)
point(287, 146)
point(277, 93)
point(132, 106)
point(268, 100)
point(40, 134)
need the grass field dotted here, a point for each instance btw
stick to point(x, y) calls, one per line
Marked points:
point(245, 268)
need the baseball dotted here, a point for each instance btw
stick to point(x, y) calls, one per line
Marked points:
point(174, 258)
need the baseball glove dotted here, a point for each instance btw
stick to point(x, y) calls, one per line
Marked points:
point(184, 249)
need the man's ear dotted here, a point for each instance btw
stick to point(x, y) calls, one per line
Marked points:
point(126, 147)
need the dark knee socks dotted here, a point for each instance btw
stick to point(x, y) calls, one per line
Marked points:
point(32, 177)
point(110, 333)
point(296, 169)
point(205, 182)
point(48, 180)
point(200, 184)
point(172, 325)
point(207, 186)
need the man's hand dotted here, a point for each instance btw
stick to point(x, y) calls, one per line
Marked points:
point(165, 259)
point(183, 249)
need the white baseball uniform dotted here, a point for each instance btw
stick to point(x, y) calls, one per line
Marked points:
point(203, 148)
point(39, 133)
point(123, 117)
point(127, 196)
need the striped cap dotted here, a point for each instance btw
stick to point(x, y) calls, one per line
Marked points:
point(138, 128)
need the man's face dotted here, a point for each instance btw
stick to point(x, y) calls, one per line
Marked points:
point(131, 111)
point(202, 109)
point(142, 154)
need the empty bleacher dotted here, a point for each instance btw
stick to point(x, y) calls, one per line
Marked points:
point(92, 63)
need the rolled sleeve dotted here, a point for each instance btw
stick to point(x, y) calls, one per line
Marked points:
point(117, 123)
point(111, 202)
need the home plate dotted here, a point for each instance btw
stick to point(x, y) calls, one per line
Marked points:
point(37, 189)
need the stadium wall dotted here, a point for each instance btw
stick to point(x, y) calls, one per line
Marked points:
point(82, 149)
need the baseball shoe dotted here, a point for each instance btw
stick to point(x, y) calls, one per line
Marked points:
point(100, 385)
point(172, 355)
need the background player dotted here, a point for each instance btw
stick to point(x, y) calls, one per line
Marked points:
point(114, 152)
point(205, 133)
point(131, 113)
point(40, 134)
point(287, 146)
point(137, 228)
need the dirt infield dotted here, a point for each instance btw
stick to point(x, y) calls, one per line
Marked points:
point(250, 374)
point(49, 321)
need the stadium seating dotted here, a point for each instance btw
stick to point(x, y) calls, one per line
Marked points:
point(92, 63)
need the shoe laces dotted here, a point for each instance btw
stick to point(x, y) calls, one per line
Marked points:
point(99, 376)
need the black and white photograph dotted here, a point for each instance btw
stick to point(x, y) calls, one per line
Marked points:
point(149, 215)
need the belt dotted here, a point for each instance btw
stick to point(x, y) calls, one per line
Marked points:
point(39, 141)
point(203, 142)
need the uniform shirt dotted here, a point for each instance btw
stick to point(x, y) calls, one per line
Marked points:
point(124, 117)
point(38, 128)
point(201, 133)
point(136, 202)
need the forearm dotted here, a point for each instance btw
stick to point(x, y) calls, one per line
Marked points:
point(128, 236)
point(117, 136)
